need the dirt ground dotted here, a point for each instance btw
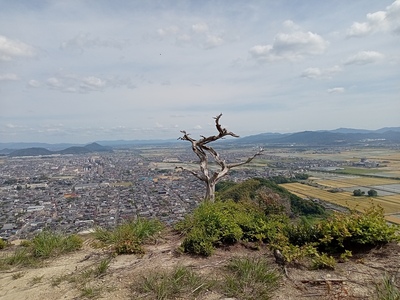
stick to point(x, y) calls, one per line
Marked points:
point(354, 279)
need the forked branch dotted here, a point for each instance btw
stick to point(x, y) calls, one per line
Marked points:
point(202, 150)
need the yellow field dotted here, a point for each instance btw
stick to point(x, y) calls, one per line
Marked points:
point(390, 204)
point(356, 181)
point(393, 198)
point(393, 218)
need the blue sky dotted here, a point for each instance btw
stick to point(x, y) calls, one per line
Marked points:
point(81, 71)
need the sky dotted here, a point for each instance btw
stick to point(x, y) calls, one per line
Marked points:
point(81, 71)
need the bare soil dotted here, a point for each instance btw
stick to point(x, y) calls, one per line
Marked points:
point(59, 278)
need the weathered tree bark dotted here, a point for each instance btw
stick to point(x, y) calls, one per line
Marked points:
point(201, 148)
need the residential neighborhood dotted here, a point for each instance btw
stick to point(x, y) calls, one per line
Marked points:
point(74, 193)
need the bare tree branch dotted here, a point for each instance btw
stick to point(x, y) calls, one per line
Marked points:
point(202, 150)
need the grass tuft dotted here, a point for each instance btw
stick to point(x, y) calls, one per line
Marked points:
point(129, 237)
point(387, 289)
point(250, 278)
point(178, 283)
point(47, 244)
point(44, 245)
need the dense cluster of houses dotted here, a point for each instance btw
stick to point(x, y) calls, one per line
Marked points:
point(72, 193)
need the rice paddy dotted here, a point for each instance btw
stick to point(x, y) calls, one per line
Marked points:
point(389, 203)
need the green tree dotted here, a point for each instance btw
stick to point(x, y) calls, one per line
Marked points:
point(358, 193)
point(372, 193)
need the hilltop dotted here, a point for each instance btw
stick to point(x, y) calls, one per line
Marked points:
point(65, 276)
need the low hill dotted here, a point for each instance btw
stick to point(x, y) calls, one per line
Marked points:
point(30, 152)
point(90, 148)
point(251, 189)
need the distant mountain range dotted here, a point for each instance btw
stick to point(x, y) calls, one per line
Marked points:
point(338, 137)
point(36, 151)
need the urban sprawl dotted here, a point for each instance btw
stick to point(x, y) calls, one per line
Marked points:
point(75, 193)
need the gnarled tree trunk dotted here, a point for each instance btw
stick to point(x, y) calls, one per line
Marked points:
point(201, 148)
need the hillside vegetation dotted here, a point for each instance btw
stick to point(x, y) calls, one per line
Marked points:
point(255, 238)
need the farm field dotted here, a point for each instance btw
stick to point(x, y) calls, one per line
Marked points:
point(342, 182)
point(390, 204)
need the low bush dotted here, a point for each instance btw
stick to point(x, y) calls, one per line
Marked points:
point(223, 223)
point(337, 235)
point(227, 222)
point(3, 244)
point(350, 231)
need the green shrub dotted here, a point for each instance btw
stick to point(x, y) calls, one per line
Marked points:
point(249, 189)
point(3, 243)
point(338, 234)
point(371, 227)
point(323, 261)
point(223, 223)
point(303, 232)
point(198, 242)
point(211, 224)
point(346, 231)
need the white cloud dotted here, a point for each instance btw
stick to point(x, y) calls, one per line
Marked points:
point(291, 25)
point(33, 83)
point(94, 82)
point(8, 76)
point(200, 27)
point(364, 57)
point(336, 90)
point(72, 83)
point(380, 21)
point(333, 70)
point(312, 73)
point(11, 49)
point(184, 38)
point(54, 83)
point(11, 126)
point(317, 73)
point(359, 29)
point(168, 31)
point(85, 41)
point(213, 41)
point(292, 46)
point(199, 35)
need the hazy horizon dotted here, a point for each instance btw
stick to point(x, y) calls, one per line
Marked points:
point(84, 71)
point(150, 140)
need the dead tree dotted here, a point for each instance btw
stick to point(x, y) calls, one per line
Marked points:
point(201, 148)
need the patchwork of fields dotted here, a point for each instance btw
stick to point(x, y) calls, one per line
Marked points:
point(338, 187)
point(343, 195)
